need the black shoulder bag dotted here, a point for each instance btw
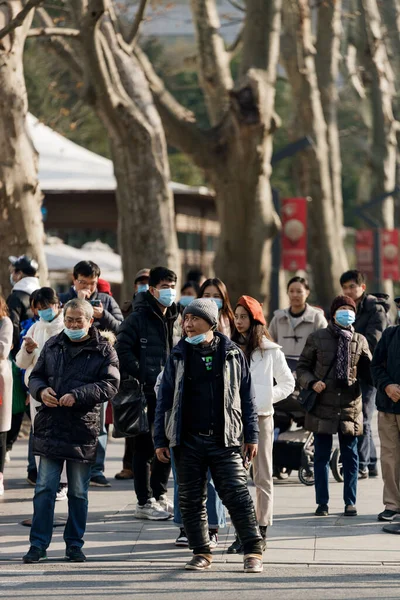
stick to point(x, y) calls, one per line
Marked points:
point(308, 398)
point(130, 405)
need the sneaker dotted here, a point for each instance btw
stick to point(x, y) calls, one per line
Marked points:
point(263, 533)
point(373, 472)
point(74, 554)
point(166, 504)
point(213, 539)
point(32, 477)
point(182, 539)
point(124, 474)
point(236, 547)
point(350, 510)
point(8, 456)
point(152, 511)
point(99, 481)
point(253, 563)
point(34, 555)
point(364, 474)
point(62, 493)
point(322, 510)
point(388, 515)
point(199, 562)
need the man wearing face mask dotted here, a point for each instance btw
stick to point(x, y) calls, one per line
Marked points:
point(146, 337)
point(331, 363)
point(76, 372)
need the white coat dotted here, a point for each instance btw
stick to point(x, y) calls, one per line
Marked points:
point(6, 382)
point(269, 363)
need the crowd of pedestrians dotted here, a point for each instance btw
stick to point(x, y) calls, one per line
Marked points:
point(211, 373)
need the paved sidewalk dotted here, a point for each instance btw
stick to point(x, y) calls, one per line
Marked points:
point(118, 546)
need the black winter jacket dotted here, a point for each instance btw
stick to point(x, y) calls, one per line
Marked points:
point(112, 317)
point(92, 377)
point(371, 318)
point(146, 325)
point(386, 369)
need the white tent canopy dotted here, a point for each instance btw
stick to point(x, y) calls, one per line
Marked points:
point(67, 167)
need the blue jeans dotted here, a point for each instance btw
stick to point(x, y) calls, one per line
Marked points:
point(48, 480)
point(215, 508)
point(98, 467)
point(348, 450)
point(366, 446)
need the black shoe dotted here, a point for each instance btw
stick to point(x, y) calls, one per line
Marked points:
point(34, 555)
point(75, 554)
point(263, 533)
point(236, 547)
point(32, 477)
point(387, 515)
point(99, 481)
point(350, 510)
point(373, 472)
point(322, 510)
point(199, 562)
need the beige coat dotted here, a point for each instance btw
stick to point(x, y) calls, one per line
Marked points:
point(6, 335)
point(293, 339)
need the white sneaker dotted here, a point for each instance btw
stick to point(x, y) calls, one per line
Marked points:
point(152, 511)
point(166, 504)
point(62, 493)
point(8, 456)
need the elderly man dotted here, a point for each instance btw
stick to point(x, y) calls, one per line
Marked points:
point(205, 411)
point(76, 372)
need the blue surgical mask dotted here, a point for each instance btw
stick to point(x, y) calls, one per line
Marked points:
point(75, 334)
point(345, 318)
point(196, 339)
point(166, 297)
point(48, 314)
point(186, 300)
point(219, 302)
point(142, 287)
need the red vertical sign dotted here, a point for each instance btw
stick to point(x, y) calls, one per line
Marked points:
point(365, 252)
point(294, 234)
point(390, 254)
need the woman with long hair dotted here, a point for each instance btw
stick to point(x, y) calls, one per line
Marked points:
point(272, 382)
point(216, 290)
point(6, 383)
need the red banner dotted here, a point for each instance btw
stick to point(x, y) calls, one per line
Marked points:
point(294, 234)
point(365, 252)
point(390, 254)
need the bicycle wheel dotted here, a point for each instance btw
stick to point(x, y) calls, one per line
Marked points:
point(336, 465)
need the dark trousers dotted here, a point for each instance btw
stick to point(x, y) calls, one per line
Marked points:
point(12, 434)
point(193, 458)
point(3, 450)
point(128, 454)
point(150, 476)
point(322, 455)
point(366, 446)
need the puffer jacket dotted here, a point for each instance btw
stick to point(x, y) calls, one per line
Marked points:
point(146, 326)
point(92, 377)
point(112, 317)
point(371, 318)
point(293, 339)
point(335, 407)
point(386, 369)
point(240, 411)
point(268, 364)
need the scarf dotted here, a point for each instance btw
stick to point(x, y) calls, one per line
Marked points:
point(343, 355)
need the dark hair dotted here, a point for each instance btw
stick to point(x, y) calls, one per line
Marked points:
point(191, 284)
point(44, 296)
point(300, 280)
point(254, 336)
point(87, 268)
point(159, 274)
point(226, 309)
point(3, 307)
point(28, 271)
point(352, 275)
point(195, 275)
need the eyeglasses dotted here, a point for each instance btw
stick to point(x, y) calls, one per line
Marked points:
point(81, 321)
point(88, 284)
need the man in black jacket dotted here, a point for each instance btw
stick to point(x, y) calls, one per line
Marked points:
point(371, 321)
point(76, 372)
point(144, 343)
point(386, 375)
point(107, 313)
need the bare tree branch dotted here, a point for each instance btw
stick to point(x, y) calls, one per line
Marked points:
point(236, 44)
point(53, 32)
point(19, 18)
point(237, 5)
point(139, 18)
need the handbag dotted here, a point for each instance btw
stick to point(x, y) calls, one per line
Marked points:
point(130, 405)
point(308, 398)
